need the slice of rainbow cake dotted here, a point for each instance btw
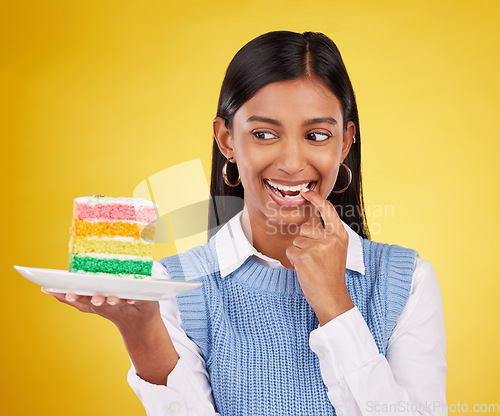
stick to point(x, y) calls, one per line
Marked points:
point(112, 236)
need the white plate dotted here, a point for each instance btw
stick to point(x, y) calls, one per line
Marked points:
point(63, 281)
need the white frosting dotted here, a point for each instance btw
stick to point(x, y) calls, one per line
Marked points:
point(120, 238)
point(113, 256)
point(116, 238)
point(112, 220)
point(137, 202)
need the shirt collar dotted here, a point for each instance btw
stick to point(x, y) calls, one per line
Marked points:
point(233, 248)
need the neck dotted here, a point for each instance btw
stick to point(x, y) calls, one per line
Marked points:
point(270, 239)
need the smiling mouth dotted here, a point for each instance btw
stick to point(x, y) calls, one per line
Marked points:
point(290, 192)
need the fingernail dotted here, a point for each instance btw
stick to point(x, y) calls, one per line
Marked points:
point(131, 302)
point(111, 303)
point(96, 303)
point(305, 190)
point(70, 299)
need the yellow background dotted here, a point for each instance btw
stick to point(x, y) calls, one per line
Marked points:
point(96, 96)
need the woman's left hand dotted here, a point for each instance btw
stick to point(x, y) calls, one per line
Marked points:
point(319, 256)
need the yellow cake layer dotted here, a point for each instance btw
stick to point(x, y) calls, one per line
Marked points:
point(84, 245)
point(83, 228)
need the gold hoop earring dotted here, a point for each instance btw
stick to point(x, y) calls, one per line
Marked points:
point(224, 176)
point(350, 179)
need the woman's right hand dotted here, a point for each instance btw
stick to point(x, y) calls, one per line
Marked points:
point(141, 326)
point(129, 316)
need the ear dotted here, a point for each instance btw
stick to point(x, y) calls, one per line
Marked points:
point(348, 139)
point(223, 137)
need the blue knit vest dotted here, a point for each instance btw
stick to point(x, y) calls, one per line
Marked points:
point(253, 326)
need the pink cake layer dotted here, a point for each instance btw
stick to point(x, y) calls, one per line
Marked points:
point(108, 211)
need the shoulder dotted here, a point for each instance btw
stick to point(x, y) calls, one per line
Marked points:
point(397, 257)
point(391, 259)
point(391, 268)
point(424, 279)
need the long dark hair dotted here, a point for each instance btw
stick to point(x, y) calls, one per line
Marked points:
point(281, 56)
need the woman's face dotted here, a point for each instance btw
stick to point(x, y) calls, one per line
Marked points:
point(288, 135)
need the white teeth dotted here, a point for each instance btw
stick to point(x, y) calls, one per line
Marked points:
point(285, 196)
point(288, 188)
point(276, 192)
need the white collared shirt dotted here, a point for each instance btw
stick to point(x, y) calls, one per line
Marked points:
point(410, 379)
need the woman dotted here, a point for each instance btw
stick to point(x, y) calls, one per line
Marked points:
point(300, 313)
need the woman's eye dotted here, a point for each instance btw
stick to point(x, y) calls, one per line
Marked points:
point(318, 137)
point(263, 135)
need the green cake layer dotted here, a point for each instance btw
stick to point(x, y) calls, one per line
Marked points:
point(112, 266)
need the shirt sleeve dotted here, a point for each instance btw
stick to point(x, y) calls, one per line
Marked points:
point(410, 379)
point(188, 390)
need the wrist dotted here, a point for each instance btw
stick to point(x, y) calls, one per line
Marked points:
point(151, 350)
point(330, 309)
point(144, 330)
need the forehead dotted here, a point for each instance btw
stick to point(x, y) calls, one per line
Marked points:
point(303, 98)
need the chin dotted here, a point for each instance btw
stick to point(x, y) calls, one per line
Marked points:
point(291, 218)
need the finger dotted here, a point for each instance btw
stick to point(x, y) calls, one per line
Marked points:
point(304, 243)
point(141, 304)
point(292, 253)
point(97, 300)
point(325, 208)
point(57, 295)
point(312, 228)
point(80, 302)
point(46, 291)
point(298, 257)
point(71, 297)
point(114, 301)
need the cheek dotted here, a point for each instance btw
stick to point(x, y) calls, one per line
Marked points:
point(252, 163)
point(327, 167)
point(251, 173)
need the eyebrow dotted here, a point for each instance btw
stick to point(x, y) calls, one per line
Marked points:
point(330, 120)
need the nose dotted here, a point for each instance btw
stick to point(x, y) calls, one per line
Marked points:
point(292, 158)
